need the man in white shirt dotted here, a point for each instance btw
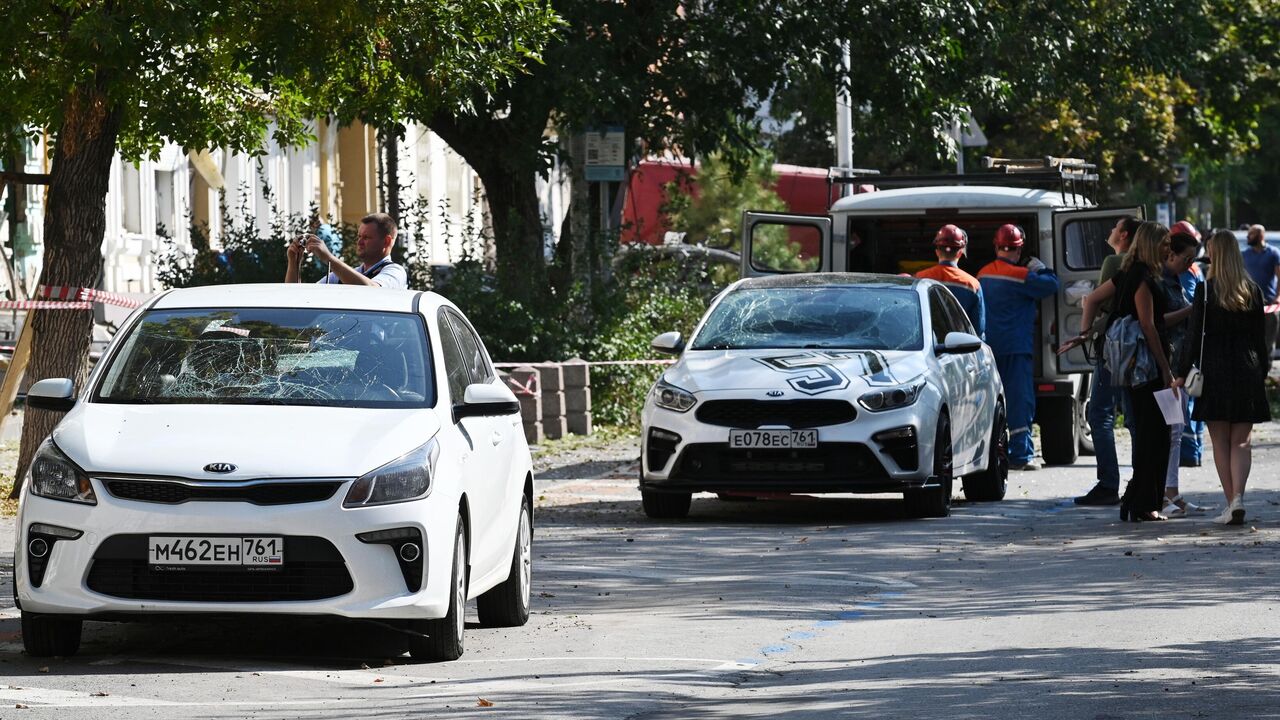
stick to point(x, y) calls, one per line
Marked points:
point(373, 247)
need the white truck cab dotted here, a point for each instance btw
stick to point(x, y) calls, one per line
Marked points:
point(891, 230)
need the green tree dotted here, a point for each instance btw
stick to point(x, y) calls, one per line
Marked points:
point(692, 76)
point(707, 208)
point(1134, 85)
point(101, 76)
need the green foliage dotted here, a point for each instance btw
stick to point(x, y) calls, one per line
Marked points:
point(708, 209)
point(1134, 85)
point(220, 74)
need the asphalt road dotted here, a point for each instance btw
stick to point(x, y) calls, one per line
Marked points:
point(832, 608)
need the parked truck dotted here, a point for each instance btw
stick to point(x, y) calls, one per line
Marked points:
point(891, 230)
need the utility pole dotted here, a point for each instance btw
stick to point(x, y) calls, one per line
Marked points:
point(844, 112)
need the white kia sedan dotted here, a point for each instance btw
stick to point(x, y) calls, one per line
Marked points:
point(285, 449)
point(826, 383)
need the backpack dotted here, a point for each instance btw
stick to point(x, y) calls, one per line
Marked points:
point(1126, 355)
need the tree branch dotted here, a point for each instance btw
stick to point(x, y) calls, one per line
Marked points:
point(24, 178)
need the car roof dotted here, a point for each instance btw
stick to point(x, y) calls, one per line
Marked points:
point(304, 295)
point(956, 196)
point(791, 280)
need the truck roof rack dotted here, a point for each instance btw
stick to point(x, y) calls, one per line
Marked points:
point(1070, 176)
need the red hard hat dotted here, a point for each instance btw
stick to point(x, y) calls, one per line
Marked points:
point(1009, 237)
point(1182, 227)
point(950, 237)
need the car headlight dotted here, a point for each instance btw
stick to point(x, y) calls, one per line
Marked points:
point(405, 478)
point(890, 398)
point(53, 475)
point(668, 396)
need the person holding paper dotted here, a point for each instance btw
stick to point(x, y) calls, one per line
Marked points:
point(1228, 343)
point(1138, 294)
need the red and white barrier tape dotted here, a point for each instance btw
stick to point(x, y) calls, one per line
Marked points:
point(63, 297)
point(44, 305)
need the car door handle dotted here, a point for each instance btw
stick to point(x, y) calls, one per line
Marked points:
point(496, 437)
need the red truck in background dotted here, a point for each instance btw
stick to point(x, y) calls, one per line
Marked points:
point(803, 189)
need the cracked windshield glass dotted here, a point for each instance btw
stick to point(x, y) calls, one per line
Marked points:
point(272, 356)
point(828, 317)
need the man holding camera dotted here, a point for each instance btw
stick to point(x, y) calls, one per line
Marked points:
point(373, 247)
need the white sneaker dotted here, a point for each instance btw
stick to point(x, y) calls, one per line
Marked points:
point(1224, 518)
point(1237, 511)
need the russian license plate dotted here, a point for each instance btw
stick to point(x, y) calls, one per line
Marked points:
point(215, 550)
point(773, 439)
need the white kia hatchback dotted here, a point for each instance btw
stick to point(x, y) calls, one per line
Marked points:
point(826, 383)
point(286, 449)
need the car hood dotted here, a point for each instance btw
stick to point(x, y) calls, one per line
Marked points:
point(797, 373)
point(261, 441)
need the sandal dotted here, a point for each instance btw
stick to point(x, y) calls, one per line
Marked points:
point(1180, 507)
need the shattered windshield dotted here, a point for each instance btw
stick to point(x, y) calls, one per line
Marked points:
point(273, 356)
point(855, 318)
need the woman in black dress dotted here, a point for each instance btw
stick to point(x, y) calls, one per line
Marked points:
point(1227, 327)
point(1139, 294)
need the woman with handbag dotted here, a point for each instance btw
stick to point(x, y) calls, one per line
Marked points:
point(1139, 296)
point(1226, 367)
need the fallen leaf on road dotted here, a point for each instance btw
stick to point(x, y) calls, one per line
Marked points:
point(363, 666)
point(44, 669)
point(20, 706)
point(545, 595)
point(377, 680)
point(99, 694)
point(481, 702)
point(1128, 553)
point(803, 539)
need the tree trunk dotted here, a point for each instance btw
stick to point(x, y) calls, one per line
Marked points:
point(517, 231)
point(504, 154)
point(74, 223)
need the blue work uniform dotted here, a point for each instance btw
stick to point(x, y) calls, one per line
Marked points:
point(965, 287)
point(1013, 293)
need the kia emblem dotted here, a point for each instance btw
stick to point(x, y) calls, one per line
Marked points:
point(774, 393)
point(220, 468)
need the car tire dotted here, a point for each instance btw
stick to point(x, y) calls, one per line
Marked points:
point(51, 635)
point(665, 506)
point(990, 484)
point(935, 502)
point(1059, 430)
point(1086, 432)
point(439, 640)
point(507, 604)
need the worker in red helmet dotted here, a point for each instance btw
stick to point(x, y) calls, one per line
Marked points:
point(1013, 289)
point(1184, 227)
point(949, 245)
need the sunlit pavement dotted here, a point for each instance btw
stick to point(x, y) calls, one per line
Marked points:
point(839, 608)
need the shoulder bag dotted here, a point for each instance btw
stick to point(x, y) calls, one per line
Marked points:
point(1194, 382)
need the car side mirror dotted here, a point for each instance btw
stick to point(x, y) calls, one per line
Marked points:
point(958, 343)
point(670, 343)
point(486, 400)
point(57, 394)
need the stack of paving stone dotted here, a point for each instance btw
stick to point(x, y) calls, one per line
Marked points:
point(555, 399)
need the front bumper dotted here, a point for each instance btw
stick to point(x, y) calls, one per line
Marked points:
point(875, 452)
point(104, 571)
